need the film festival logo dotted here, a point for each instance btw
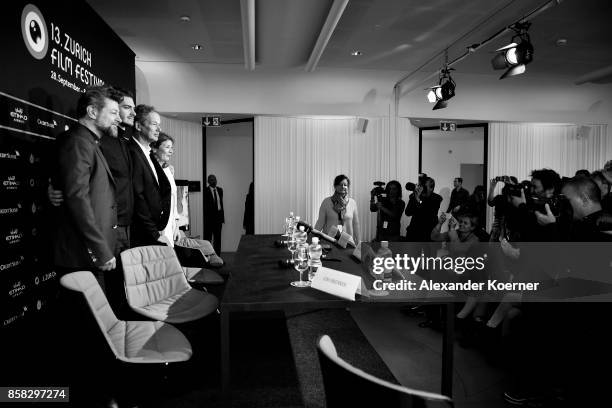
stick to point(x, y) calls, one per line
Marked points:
point(34, 31)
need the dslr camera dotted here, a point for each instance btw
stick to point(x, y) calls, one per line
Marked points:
point(559, 205)
point(379, 190)
point(411, 186)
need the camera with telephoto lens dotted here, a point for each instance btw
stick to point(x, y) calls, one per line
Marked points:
point(411, 186)
point(514, 190)
point(379, 190)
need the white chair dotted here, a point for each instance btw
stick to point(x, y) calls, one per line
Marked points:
point(156, 286)
point(347, 386)
point(130, 341)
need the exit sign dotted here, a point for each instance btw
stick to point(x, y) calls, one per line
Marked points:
point(448, 126)
point(211, 121)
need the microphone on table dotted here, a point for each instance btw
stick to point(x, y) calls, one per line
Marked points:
point(310, 229)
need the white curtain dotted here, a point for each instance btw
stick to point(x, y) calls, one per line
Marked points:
point(296, 160)
point(515, 149)
point(187, 162)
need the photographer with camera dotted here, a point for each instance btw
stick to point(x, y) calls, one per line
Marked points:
point(423, 206)
point(501, 204)
point(388, 204)
point(539, 206)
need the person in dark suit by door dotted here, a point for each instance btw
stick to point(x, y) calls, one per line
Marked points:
point(214, 216)
point(85, 237)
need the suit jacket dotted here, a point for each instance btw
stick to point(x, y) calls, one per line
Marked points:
point(211, 213)
point(85, 235)
point(117, 156)
point(424, 217)
point(151, 211)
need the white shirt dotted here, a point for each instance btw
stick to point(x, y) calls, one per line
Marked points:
point(147, 152)
point(213, 191)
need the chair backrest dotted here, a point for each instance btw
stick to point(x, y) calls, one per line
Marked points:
point(152, 274)
point(346, 385)
point(88, 286)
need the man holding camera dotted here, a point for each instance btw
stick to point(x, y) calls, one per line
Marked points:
point(423, 207)
point(389, 206)
point(539, 207)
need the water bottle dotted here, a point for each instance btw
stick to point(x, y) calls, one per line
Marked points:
point(301, 236)
point(314, 257)
point(384, 252)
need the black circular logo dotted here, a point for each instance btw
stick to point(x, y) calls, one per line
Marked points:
point(34, 31)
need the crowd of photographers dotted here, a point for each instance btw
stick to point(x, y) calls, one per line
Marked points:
point(530, 339)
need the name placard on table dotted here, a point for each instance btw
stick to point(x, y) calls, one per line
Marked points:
point(337, 283)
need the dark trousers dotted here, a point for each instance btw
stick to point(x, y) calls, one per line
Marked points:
point(212, 233)
point(115, 282)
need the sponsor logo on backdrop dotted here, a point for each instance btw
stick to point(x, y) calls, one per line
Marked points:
point(38, 305)
point(34, 208)
point(50, 125)
point(11, 183)
point(38, 279)
point(17, 289)
point(12, 264)
point(10, 210)
point(34, 31)
point(18, 116)
point(10, 155)
point(14, 236)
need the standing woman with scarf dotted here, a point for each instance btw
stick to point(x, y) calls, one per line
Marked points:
point(340, 210)
point(162, 151)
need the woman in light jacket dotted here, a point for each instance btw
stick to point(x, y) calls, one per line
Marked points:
point(340, 210)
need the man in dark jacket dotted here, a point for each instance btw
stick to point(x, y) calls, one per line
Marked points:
point(151, 210)
point(85, 237)
point(423, 206)
point(459, 196)
point(214, 216)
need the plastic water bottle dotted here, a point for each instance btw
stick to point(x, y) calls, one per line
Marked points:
point(314, 257)
point(384, 252)
point(301, 236)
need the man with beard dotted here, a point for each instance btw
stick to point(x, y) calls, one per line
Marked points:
point(85, 238)
point(150, 210)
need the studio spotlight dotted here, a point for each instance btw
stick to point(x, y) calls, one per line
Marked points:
point(514, 56)
point(441, 93)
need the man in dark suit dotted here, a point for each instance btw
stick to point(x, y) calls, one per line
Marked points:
point(214, 217)
point(151, 210)
point(85, 237)
point(459, 197)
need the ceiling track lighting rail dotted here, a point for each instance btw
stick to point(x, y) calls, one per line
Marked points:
point(475, 47)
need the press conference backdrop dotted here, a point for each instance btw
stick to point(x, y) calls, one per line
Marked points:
point(51, 51)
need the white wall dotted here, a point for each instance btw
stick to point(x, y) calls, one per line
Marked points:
point(187, 162)
point(229, 156)
point(179, 87)
point(444, 152)
point(296, 160)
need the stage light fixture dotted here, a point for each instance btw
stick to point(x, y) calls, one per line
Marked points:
point(516, 55)
point(441, 93)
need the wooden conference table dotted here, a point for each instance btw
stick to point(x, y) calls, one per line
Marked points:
point(257, 283)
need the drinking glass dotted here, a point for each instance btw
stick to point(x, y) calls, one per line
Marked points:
point(291, 244)
point(287, 225)
point(301, 265)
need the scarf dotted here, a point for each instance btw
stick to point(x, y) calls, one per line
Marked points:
point(340, 202)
